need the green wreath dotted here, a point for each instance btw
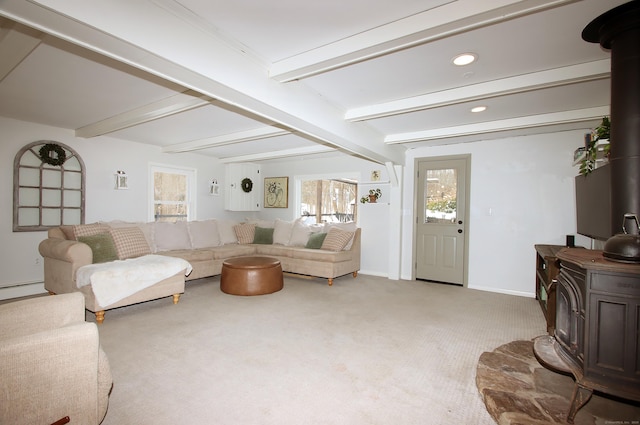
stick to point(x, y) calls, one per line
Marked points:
point(247, 185)
point(59, 155)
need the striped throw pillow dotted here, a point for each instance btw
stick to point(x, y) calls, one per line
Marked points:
point(245, 232)
point(336, 239)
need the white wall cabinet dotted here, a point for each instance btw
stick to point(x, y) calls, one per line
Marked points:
point(239, 196)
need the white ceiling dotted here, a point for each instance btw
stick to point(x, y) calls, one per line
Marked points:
point(253, 81)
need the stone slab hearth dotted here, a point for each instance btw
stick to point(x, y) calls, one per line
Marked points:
point(518, 390)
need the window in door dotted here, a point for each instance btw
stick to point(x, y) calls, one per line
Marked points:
point(328, 200)
point(173, 193)
point(441, 195)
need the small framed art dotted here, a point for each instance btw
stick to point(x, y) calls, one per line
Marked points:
point(276, 192)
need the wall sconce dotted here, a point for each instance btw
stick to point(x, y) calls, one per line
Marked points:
point(121, 180)
point(214, 188)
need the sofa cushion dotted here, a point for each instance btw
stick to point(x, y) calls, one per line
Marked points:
point(89, 229)
point(245, 232)
point(315, 240)
point(301, 232)
point(204, 234)
point(282, 231)
point(337, 239)
point(102, 247)
point(274, 250)
point(170, 236)
point(262, 223)
point(227, 234)
point(232, 250)
point(263, 235)
point(129, 242)
point(191, 255)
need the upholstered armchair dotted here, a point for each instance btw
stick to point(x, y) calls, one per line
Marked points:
point(51, 363)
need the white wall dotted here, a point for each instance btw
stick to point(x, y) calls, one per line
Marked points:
point(102, 157)
point(522, 194)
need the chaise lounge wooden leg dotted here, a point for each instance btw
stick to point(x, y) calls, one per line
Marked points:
point(100, 316)
point(330, 280)
point(355, 274)
point(176, 298)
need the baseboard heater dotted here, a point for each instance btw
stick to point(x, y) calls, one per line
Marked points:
point(24, 289)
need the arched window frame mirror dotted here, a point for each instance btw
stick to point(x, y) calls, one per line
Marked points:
point(48, 187)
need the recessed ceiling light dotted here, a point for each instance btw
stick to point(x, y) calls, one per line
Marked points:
point(464, 59)
point(479, 109)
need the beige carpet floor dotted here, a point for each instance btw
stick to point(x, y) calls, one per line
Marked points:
point(365, 351)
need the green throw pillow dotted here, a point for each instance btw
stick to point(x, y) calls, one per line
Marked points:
point(315, 240)
point(263, 235)
point(102, 246)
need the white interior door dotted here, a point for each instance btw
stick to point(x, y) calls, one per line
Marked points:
point(441, 220)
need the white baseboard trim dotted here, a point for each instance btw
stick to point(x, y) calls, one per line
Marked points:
point(504, 291)
point(372, 273)
point(22, 290)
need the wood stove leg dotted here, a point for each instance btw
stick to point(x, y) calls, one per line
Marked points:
point(579, 398)
point(100, 316)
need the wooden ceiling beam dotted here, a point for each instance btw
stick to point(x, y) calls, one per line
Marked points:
point(227, 139)
point(182, 102)
point(541, 120)
point(285, 153)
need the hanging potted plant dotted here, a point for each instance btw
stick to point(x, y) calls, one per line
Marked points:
point(373, 196)
point(600, 137)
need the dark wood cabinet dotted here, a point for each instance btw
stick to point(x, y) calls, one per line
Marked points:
point(547, 268)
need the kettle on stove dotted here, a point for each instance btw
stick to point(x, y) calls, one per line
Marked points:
point(624, 247)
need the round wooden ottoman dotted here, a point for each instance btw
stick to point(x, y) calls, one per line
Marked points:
point(251, 276)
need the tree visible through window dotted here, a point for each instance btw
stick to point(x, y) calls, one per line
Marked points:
point(328, 201)
point(172, 194)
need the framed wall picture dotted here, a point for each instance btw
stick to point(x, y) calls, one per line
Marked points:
point(276, 192)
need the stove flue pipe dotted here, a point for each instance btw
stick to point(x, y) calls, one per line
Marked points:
point(619, 30)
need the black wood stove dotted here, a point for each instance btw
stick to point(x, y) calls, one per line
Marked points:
point(597, 334)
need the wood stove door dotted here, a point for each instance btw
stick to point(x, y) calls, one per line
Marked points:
point(614, 331)
point(570, 316)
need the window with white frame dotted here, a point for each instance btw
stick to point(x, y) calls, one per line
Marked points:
point(172, 197)
point(327, 199)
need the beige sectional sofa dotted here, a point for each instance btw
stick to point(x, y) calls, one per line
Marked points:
point(325, 251)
